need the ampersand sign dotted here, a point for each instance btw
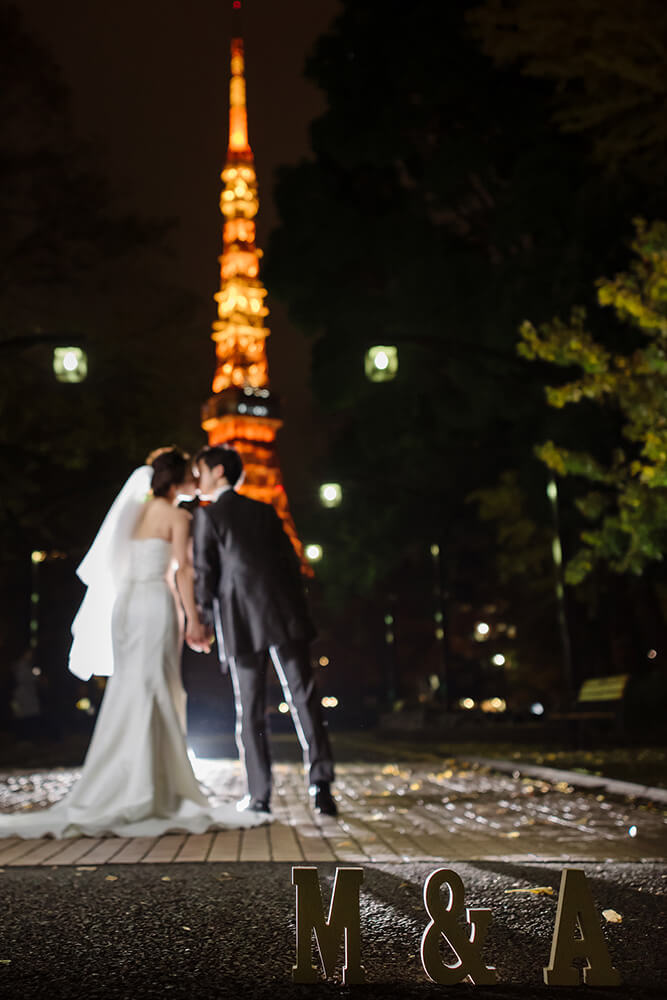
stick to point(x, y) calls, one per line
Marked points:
point(467, 947)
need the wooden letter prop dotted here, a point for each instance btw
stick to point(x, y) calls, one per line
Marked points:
point(576, 911)
point(444, 923)
point(343, 921)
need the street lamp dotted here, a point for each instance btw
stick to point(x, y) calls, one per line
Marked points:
point(331, 494)
point(37, 557)
point(441, 625)
point(381, 363)
point(563, 625)
point(313, 552)
point(70, 364)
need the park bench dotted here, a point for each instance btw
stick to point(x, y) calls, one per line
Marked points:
point(600, 699)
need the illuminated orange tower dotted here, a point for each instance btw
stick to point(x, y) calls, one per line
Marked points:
point(243, 412)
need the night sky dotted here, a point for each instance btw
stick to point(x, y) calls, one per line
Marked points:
point(149, 86)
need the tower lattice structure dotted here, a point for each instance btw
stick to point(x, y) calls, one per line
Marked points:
point(243, 412)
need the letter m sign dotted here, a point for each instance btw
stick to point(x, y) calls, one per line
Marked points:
point(342, 923)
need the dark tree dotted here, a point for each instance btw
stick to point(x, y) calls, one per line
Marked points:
point(441, 207)
point(73, 270)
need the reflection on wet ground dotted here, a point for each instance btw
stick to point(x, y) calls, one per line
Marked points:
point(390, 812)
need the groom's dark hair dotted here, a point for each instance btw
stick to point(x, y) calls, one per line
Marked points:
point(228, 458)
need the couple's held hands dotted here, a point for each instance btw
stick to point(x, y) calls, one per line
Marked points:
point(198, 637)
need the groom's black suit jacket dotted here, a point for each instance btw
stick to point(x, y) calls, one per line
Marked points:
point(245, 561)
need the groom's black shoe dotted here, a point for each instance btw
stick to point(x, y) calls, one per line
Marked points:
point(248, 804)
point(324, 801)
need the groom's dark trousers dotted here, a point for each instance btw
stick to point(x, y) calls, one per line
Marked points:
point(248, 584)
point(292, 665)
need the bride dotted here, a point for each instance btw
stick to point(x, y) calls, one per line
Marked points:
point(137, 779)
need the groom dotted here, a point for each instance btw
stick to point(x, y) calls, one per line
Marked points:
point(248, 587)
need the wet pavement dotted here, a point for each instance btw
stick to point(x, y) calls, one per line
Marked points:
point(108, 918)
point(401, 811)
point(214, 930)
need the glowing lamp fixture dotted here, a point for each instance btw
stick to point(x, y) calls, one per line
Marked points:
point(537, 708)
point(38, 556)
point(70, 364)
point(313, 552)
point(283, 708)
point(381, 363)
point(331, 494)
point(329, 701)
point(467, 703)
point(482, 630)
point(498, 660)
point(556, 551)
point(494, 705)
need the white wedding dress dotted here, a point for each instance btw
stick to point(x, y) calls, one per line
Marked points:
point(137, 780)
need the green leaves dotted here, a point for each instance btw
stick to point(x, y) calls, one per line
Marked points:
point(606, 60)
point(632, 516)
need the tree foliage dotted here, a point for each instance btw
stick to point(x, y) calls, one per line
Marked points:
point(627, 510)
point(608, 62)
point(440, 207)
point(74, 267)
point(75, 270)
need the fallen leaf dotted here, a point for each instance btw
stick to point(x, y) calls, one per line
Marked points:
point(186, 928)
point(86, 868)
point(415, 786)
point(539, 890)
point(612, 917)
point(165, 878)
point(513, 834)
point(111, 878)
point(5, 961)
point(345, 843)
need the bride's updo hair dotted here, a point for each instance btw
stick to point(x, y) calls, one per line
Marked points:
point(169, 469)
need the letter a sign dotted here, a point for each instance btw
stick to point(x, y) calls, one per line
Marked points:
point(343, 922)
point(578, 934)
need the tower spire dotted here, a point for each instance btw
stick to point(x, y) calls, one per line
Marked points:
point(238, 114)
point(243, 412)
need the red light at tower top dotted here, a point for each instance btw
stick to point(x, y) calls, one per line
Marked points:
point(237, 5)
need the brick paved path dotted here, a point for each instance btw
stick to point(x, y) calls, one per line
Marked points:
point(417, 811)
